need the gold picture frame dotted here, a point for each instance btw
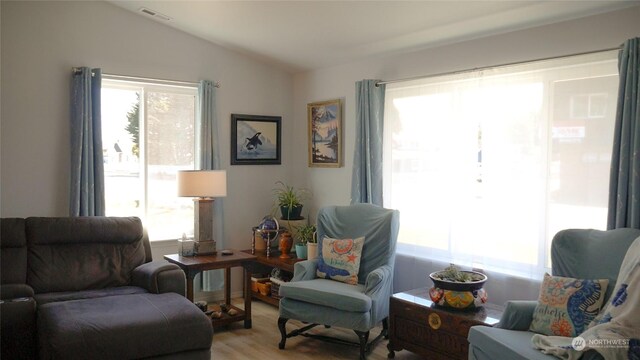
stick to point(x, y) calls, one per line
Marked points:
point(325, 133)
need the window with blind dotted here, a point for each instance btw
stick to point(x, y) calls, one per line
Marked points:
point(485, 167)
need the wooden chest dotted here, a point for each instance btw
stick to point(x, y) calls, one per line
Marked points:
point(418, 325)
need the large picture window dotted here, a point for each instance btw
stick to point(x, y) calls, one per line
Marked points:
point(486, 167)
point(148, 135)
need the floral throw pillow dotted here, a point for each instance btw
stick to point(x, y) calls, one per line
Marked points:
point(340, 259)
point(566, 306)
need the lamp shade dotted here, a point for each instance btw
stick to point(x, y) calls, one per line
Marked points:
point(202, 183)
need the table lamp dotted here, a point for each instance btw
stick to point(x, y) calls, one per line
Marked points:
point(203, 186)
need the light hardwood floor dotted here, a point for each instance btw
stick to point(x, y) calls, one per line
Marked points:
point(261, 341)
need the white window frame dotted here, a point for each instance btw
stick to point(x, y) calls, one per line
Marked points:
point(435, 254)
point(143, 87)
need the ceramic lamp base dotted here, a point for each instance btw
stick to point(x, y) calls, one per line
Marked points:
point(205, 247)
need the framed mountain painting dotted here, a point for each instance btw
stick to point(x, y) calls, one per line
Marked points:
point(325, 133)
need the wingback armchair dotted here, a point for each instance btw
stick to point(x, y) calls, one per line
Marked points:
point(575, 253)
point(361, 306)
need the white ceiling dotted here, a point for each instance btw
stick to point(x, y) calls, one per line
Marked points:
point(305, 35)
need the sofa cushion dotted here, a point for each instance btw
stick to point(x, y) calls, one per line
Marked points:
point(490, 343)
point(45, 298)
point(494, 343)
point(82, 253)
point(328, 293)
point(566, 306)
point(122, 327)
point(13, 256)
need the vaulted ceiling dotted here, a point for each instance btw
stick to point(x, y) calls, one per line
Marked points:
point(305, 35)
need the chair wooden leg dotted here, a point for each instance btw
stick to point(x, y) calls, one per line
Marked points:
point(363, 336)
point(385, 328)
point(283, 331)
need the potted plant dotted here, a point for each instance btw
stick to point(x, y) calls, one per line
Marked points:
point(308, 233)
point(289, 200)
point(301, 250)
point(457, 288)
point(305, 234)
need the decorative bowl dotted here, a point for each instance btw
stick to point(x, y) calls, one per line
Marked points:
point(458, 295)
point(477, 282)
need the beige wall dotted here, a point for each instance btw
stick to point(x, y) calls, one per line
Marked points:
point(42, 41)
point(333, 186)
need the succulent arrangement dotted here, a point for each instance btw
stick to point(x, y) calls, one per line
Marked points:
point(454, 274)
point(458, 289)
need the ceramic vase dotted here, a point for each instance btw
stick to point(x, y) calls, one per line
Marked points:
point(286, 242)
point(301, 251)
point(312, 251)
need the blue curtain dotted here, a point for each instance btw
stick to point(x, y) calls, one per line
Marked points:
point(366, 183)
point(86, 193)
point(209, 160)
point(624, 185)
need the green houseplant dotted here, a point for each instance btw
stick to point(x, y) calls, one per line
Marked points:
point(307, 235)
point(289, 200)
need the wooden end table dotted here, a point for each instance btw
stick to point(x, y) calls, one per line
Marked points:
point(272, 261)
point(432, 331)
point(193, 265)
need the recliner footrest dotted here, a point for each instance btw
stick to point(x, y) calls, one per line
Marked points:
point(121, 327)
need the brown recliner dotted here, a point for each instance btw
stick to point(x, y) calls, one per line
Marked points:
point(86, 287)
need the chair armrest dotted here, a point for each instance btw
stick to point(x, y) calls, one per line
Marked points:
point(14, 291)
point(160, 277)
point(305, 270)
point(517, 315)
point(18, 326)
point(375, 281)
point(378, 286)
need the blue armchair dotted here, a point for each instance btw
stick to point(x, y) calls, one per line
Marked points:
point(583, 254)
point(358, 307)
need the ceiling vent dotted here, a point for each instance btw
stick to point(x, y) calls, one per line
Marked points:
point(153, 13)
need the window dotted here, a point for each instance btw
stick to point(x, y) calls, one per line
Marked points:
point(486, 167)
point(148, 135)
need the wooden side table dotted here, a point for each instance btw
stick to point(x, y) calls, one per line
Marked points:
point(193, 265)
point(432, 331)
point(272, 261)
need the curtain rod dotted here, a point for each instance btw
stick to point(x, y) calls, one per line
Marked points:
point(144, 79)
point(493, 66)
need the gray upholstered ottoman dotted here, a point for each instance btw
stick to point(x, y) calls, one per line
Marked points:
point(123, 327)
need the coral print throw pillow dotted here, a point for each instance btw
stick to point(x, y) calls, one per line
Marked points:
point(566, 306)
point(340, 259)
